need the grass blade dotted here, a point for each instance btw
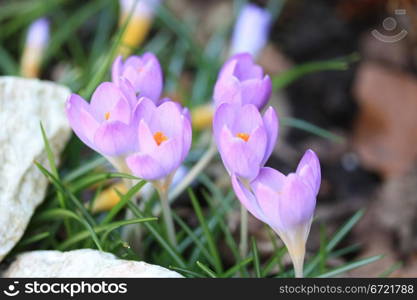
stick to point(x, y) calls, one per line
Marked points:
point(123, 201)
point(206, 269)
point(340, 234)
point(309, 127)
point(284, 79)
point(351, 266)
point(256, 262)
point(64, 213)
point(160, 239)
point(210, 241)
point(238, 267)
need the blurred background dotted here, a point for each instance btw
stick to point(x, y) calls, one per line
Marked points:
point(355, 105)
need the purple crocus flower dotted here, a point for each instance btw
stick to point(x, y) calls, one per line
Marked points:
point(251, 30)
point(37, 39)
point(164, 140)
point(107, 123)
point(286, 203)
point(241, 81)
point(244, 138)
point(143, 72)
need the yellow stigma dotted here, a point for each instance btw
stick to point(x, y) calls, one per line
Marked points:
point(159, 137)
point(243, 136)
point(107, 116)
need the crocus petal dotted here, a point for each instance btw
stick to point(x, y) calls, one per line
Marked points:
point(150, 78)
point(271, 178)
point(297, 203)
point(128, 91)
point(257, 145)
point(309, 170)
point(146, 167)
point(227, 90)
point(251, 30)
point(169, 155)
point(246, 198)
point(120, 112)
point(267, 90)
point(115, 138)
point(256, 91)
point(187, 136)
point(267, 188)
point(229, 67)
point(135, 61)
point(38, 34)
point(104, 99)
point(144, 110)
point(268, 202)
point(116, 69)
point(167, 119)
point(80, 119)
point(131, 73)
point(146, 141)
point(224, 115)
point(248, 118)
point(271, 125)
point(251, 89)
point(246, 68)
point(238, 158)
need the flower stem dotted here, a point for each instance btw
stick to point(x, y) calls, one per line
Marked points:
point(195, 171)
point(298, 268)
point(243, 232)
point(166, 210)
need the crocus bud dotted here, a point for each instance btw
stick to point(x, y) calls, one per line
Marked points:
point(107, 123)
point(286, 203)
point(251, 30)
point(139, 24)
point(36, 42)
point(241, 81)
point(164, 140)
point(244, 138)
point(143, 72)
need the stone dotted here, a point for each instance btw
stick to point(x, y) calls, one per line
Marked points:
point(82, 263)
point(24, 103)
point(386, 128)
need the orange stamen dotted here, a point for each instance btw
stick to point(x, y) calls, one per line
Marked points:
point(159, 137)
point(243, 136)
point(107, 116)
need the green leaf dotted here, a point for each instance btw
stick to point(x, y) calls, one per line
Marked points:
point(391, 269)
point(206, 269)
point(8, 65)
point(106, 228)
point(285, 78)
point(256, 262)
point(84, 168)
point(123, 202)
point(238, 267)
point(273, 261)
point(339, 235)
point(191, 234)
point(309, 127)
point(33, 239)
point(188, 272)
point(210, 241)
point(64, 213)
point(159, 238)
point(68, 28)
point(350, 266)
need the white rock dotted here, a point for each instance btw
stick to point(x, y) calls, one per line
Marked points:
point(82, 263)
point(23, 104)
